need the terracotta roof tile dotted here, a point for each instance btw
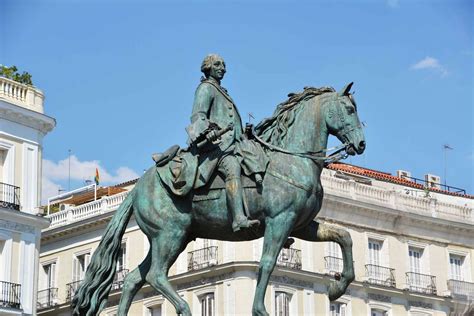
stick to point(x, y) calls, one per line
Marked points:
point(388, 177)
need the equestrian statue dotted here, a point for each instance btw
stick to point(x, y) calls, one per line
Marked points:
point(234, 184)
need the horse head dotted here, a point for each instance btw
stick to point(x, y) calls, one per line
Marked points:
point(343, 122)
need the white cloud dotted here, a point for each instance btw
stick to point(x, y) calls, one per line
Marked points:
point(430, 63)
point(54, 172)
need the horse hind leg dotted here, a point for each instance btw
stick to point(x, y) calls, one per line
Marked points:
point(165, 249)
point(325, 232)
point(132, 284)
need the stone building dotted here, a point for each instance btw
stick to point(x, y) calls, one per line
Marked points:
point(23, 126)
point(413, 255)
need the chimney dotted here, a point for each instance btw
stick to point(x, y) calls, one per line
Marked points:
point(433, 181)
point(404, 174)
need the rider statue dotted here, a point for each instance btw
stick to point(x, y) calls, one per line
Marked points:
point(229, 153)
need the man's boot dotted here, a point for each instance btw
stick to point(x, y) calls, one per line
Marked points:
point(234, 197)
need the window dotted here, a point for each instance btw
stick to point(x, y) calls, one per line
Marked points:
point(154, 310)
point(49, 275)
point(415, 255)
point(375, 247)
point(122, 259)
point(207, 304)
point(334, 250)
point(456, 263)
point(3, 258)
point(2, 162)
point(80, 264)
point(377, 312)
point(282, 304)
point(333, 261)
point(337, 309)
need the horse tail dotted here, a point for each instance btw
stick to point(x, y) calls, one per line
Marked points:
point(91, 296)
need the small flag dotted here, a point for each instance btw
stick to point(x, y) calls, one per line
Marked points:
point(97, 178)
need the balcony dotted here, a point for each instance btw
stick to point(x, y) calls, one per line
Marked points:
point(333, 265)
point(461, 290)
point(289, 258)
point(86, 210)
point(22, 95)
point(9, 196)
point(118, 279)
point(421, 283)
point(380, 275)
point(71, 289)
point(202, 258)
point(396, 200)
point(10, 295)
point(47, 298)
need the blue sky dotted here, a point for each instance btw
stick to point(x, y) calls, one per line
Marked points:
point(119, 76)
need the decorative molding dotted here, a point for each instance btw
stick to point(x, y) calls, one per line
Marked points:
point(420, 304)
point(205, 290)
point(154, 302)
point(16, 227)
point(290, 281)
point(380, 298)
point(416, 244)
point(33, 119)
point(202, 281)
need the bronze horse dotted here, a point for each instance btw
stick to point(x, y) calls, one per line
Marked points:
point(287, 204)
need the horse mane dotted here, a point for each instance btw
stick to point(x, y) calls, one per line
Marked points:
point(274, 129)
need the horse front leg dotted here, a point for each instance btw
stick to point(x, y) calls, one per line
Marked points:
point(277, 231)
point(325, 232)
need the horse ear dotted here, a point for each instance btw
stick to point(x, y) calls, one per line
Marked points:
point(346, 89)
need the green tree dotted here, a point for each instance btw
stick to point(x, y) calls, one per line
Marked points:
point(12, 73)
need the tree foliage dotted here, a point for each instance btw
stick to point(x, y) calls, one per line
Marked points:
point(13, 74)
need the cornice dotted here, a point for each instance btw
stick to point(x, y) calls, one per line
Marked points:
point(364, 216)
point(20, 221)
point(395, 213)
point(33, 119)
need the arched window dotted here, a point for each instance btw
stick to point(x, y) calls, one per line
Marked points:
point(282, 304)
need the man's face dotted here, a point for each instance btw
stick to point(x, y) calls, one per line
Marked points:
point(217, 69)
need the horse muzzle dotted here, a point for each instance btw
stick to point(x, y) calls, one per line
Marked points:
point(353, 149)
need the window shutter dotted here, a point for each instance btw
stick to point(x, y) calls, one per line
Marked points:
point(52, 278)
point(75, 269)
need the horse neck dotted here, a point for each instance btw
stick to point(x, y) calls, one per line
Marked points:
point(309, 131)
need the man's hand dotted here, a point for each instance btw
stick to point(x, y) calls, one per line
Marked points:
point(212, 136)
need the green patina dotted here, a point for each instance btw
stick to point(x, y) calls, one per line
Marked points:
point(284, 205)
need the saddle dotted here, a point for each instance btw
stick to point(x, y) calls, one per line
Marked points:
point(178, 168)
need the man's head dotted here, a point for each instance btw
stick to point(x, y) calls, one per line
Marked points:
point(213, 66)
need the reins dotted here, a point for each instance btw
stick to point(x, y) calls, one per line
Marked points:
point(338, 154)
point(313, 155)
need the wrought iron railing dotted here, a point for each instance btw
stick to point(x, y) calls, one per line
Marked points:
point(422, 283)
point(71, 289)
point(333, 265)
point(10, 295)
point(380, 275)
point(47, 298)
point(289, 258)
point(9, 196)
point(202, 258)
point(461, 289)
point(119, 278)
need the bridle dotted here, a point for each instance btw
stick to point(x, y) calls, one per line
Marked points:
point(339, 151)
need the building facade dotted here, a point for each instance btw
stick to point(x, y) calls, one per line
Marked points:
point(23, 126)
point(413, 255)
